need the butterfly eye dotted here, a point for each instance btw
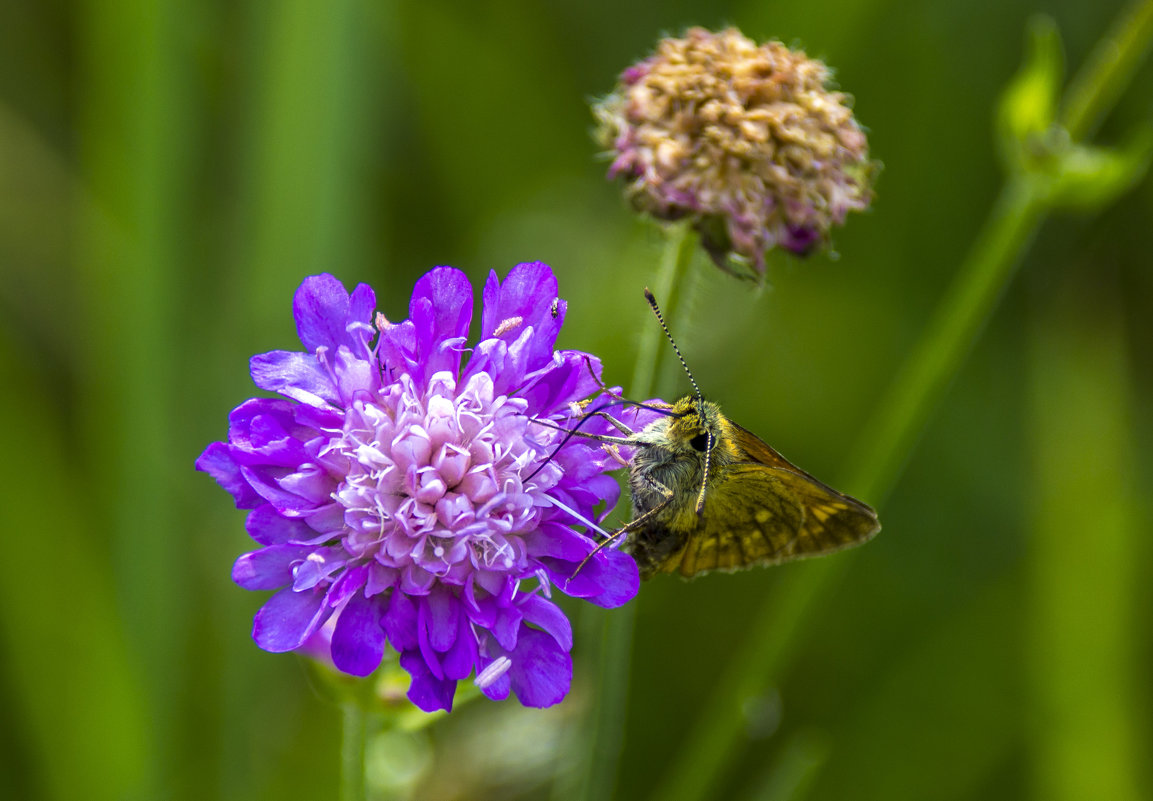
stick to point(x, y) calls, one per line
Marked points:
point(699, 442)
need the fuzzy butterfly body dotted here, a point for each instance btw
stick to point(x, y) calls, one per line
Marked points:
point(710, 495)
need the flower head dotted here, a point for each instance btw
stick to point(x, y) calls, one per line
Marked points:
point(402, 493)
point(745, 141)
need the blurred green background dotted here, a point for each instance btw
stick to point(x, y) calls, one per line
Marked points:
point(170, 171)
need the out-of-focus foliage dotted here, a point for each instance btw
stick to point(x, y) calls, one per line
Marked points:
point(169, 171)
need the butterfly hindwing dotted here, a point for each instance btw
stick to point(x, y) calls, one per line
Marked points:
point(770, 515)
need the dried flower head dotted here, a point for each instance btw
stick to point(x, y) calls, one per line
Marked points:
point(746, 141)
point(401, 493)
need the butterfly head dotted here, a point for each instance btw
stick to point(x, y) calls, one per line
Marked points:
point(697, 426)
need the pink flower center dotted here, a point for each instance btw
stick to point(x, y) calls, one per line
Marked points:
point(433, 482)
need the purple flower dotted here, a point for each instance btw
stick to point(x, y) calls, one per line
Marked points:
point(404, 494)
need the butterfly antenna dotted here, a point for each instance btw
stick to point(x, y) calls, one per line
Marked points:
point(705, 476)
point(661, 319)
point(696, 390)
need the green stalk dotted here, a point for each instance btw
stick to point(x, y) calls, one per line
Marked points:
point(602, 742)
point(715, 741)
point(916, 391)
point(1087, 554)
point(675, 259)
point(1107, 71)
point(354, 736)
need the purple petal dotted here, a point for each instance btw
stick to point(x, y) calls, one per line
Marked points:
point(528, 292)
point(353, 374)
point(358, 639)
point(295, 375)
point(322, 310)
point(450, 302)
point(441, 310)
point(610, 579)
point(397, 349)
point(459, 660)
point(582, 497)
point(440, 612)
point(431, 657)
point(548, 616)
point(310, 482)
point(265, 434)
point(289, 618)
point(321, 564)
point(497, 689)
point(266, 483)
point(572, 376)
point(481, 608)
point(400, 622)
point(268, 568)
point(541, 670)
point(268, 527)
point(491, 356)
point(507, 627)
point(557, 539)
point(350, 583)
point(218, 463)
point(426, 691)
point(362, 304)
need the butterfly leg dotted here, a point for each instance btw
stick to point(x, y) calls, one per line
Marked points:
point(617, 424)
point(620, 532)
point(615, 452)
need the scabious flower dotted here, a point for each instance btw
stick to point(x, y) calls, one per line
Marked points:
point(402, 493)
point(747, 142)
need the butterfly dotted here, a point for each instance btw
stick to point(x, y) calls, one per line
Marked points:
point(708, 494)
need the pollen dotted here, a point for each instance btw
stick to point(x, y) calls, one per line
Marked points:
point(510, 324)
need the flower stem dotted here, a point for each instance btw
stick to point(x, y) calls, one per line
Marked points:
point(605, 732)
point(905, 409)
point(1107, 71)
point(352, 751)
point(714, 742)
point(675, 260)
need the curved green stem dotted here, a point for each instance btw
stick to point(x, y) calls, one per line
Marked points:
point(715, 740)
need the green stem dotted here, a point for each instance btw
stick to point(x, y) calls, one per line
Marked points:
point(1084, 600)
point(714, 742)
point(675, 259)
point(891, 437)
point(1107, 71)
point(598, 768)
point(352, 750)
